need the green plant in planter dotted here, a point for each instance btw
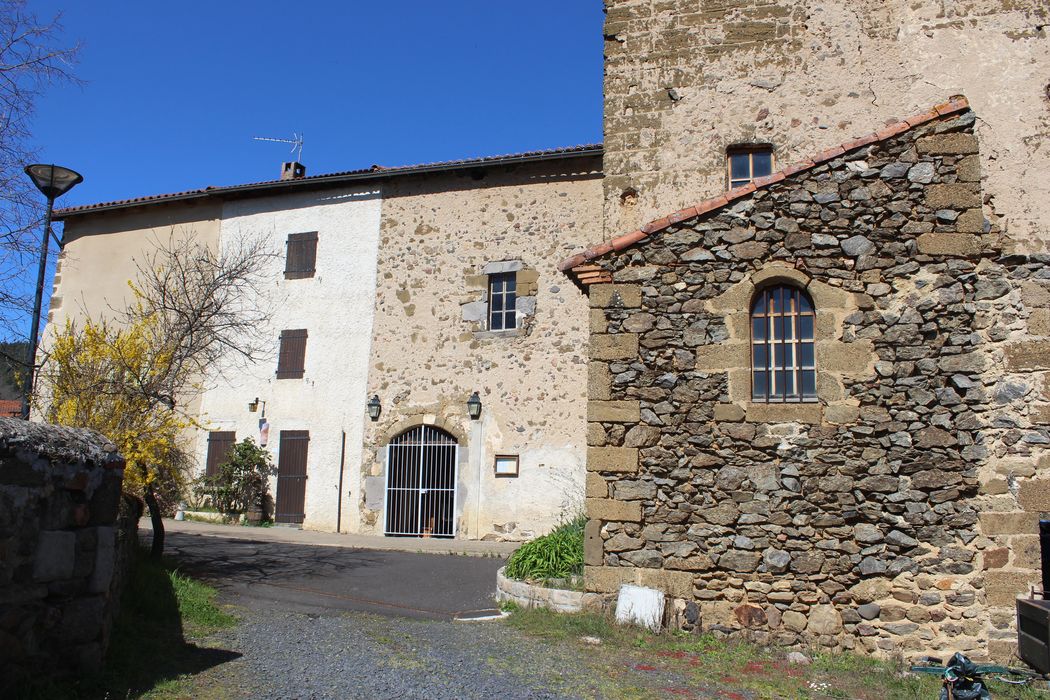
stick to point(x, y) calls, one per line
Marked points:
point(558, 555)
point(241, 483)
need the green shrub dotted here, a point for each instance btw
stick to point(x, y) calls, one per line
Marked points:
point(241, 481)
point(557, 555)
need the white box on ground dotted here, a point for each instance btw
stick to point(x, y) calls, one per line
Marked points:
point(640, 606)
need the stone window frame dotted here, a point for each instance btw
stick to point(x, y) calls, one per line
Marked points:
point(508, 298)
point(475, 310)
point(836, 359)
point(795, 344)
point(750, 149)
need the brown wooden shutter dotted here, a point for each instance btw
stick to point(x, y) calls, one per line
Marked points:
point(291, 361)
point(290, 504)
point(301, 259)
point(220, 442)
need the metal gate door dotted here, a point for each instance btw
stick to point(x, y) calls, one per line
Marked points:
point(290, 506)
point(421, 470)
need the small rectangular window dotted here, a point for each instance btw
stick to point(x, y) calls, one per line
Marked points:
point(301, 256)
point(219, 444)
point(745, 163)
point(291, 360)
point(503, 301)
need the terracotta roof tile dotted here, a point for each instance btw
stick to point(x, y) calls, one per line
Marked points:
point(955, 104)
point(682, 215)
point(10, 408)
point(629, 240)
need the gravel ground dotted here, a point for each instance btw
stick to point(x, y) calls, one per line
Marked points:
point(361, 656)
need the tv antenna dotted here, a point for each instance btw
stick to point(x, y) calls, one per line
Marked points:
point(296, 141)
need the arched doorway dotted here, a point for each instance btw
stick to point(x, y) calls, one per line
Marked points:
point(421, 470)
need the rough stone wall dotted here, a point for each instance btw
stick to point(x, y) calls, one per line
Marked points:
point(441, 235)
point(887, 516)
point(64, 551)
point(684, 79)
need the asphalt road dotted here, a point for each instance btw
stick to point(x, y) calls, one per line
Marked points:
point(319, 580)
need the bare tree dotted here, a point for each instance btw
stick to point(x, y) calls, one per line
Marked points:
point(210, 306)
point(196, 311)
point(32, 57)
point(210, 314)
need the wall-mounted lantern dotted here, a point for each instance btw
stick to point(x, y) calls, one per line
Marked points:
point(264, 425)
point(474, 406)
point(374, 407)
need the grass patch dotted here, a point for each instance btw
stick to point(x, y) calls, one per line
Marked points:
point(151, 654)
point(198, 612)
point(540, 622)
point(704, 665)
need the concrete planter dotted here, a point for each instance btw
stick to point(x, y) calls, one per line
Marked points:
point(207, 516)
point(528, 595)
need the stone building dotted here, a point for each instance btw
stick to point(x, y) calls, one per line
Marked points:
point(816, 406)
point(382, 285)
point(818, 403)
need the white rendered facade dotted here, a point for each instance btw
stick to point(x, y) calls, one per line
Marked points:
point(335, 307)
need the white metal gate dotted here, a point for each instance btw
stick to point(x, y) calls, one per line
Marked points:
point(421, 470)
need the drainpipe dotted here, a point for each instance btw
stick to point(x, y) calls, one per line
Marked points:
point(339, 493)
point(477, 434)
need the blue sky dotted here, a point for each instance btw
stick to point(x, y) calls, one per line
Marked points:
point(174, 92)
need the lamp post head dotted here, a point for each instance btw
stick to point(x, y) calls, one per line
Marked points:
point(53, 180)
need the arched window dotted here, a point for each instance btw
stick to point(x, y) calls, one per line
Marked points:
point(783, 366)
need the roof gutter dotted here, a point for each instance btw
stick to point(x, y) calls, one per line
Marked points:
point(322, 181)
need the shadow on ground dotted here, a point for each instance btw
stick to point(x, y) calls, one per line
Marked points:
point(321, 579)
point(148, 645)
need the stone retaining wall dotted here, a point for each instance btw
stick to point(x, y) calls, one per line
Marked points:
point(887, 515)
point(66, 536)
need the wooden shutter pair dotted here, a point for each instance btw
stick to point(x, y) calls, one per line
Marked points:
point(220, 442)
point(291, 361)
point(302, 255)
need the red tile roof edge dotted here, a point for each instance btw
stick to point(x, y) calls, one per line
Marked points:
point(954, 105)
point(10, 408)
point(376, 171)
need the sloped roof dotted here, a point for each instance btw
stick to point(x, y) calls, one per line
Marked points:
point(332, 179)
point(10, 408)
point(577, 265)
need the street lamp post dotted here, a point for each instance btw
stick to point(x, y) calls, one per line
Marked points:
point(53, 181)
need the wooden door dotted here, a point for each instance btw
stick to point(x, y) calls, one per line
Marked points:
point(220, 442)
point(291, 476)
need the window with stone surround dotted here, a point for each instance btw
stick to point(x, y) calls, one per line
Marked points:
point(746, 162)
point(502, 301)
point(783, 362)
